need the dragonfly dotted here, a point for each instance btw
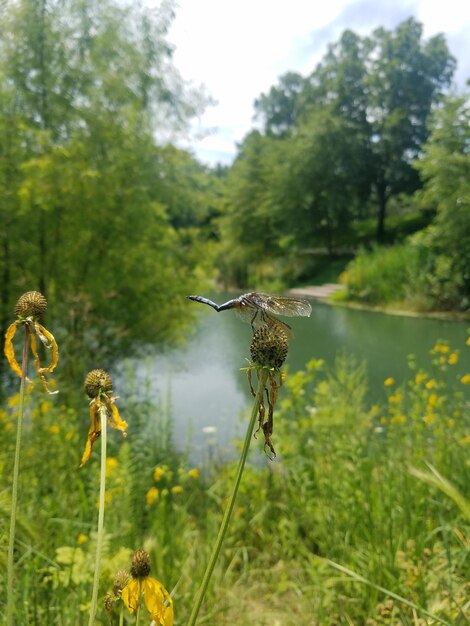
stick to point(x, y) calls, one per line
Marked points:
point(261, 308)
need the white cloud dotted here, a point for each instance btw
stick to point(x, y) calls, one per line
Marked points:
point(239, 48)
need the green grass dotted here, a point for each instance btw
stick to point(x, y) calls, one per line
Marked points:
point(363, 506)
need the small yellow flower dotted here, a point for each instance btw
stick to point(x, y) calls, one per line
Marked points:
point(29, 309)
point(465, 380)
point(395, 398)
point(98, 385)
point(468, 341)
point(13, 400)
point(442, 360)
point(111, 465)
point(420, 377)
point(429, 419)
point(193, 473)
point(158, 474)
point(69, 435)
point(156, 598)
point(453, 358)
point(432, 400)
point(81, 539)
point(177, 489)
point(383, 420)
point(152, 496)
point(431, 384)
point(451, 422)
point(388, 382)
point(54, 429)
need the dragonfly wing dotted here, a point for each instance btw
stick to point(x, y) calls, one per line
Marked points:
point(279, 305)
point(258, 317)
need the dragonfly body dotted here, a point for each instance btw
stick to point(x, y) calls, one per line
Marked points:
point(259, 308)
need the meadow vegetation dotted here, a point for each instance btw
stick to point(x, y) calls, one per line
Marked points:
point(362, 519)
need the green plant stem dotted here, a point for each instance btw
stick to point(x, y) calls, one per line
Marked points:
point(121, 617)
point(231, 503)
point(137, 615)
point(100, 533)
point(16, 472)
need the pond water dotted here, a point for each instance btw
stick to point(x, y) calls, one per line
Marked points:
point(208, 395)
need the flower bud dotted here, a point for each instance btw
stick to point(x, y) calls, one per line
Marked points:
point(98, 381)
point(140, 566)
point(269, 346)
point(31, 304)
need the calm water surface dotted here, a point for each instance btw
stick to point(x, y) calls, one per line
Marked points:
point(209, 396)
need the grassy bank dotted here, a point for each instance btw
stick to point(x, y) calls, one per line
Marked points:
point(363, 506)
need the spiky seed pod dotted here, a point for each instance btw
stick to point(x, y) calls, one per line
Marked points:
point(31, 304)
point(120, 581)
point(140, 566)
point(269, 346)
point(98, 381)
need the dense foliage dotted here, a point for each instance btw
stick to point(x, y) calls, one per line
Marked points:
point(97, 211)
point(368, 134)
point(377, 489)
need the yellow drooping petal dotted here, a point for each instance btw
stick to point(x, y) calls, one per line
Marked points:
point(93, 432)
point(49, 343)
point(40, 370)
point(114, 419)
point(10, 351)
point(131, 594)
point(158, 601)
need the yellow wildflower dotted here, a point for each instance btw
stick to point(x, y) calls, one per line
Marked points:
point(177, 489)
point(29, 309)
point(82, 539)
point(453, 358)
point(429, 418)
point(451, 422)
point(13, 400)
point(432, 400)
point(420, 377)
point(156, 598)
point(111, 465)
point(388, 382)
point(431, 384)
point(383, 420)
point(193, 473)
point(465, 380)
point(468, 341)
point(98, 385)
point(158, 473)
point(152, 496)
point(395, 398)
point(54, 429)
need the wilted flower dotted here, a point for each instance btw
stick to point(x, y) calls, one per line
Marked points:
point(98, 385)
point(268, 350)
point(156, 598)
point(29, 309)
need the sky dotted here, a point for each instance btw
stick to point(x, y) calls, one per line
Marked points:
point(238, 49)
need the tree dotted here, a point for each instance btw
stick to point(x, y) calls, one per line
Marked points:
point(279, 109)
point(445, 169)
point(84, 88)
point(385, 87)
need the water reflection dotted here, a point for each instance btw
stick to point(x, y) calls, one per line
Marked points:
point(208, 390)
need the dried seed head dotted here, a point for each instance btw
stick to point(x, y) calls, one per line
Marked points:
point(31, 304)
point(269, 346)
point(98, 381)
point(120, 581)
point(140, 566)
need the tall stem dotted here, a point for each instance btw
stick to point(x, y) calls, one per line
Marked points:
point(231, 503)
point(16, 472)
point(100, 533)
